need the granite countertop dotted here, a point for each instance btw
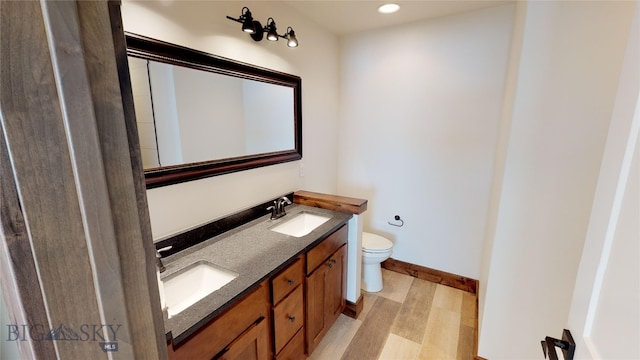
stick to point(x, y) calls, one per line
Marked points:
point(251, 250)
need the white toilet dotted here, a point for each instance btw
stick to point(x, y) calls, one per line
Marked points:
point(375, 250)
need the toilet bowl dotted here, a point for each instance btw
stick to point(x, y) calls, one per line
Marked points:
point(375, 250)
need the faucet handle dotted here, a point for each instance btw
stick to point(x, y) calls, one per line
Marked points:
point(159, 263)
point(282, 202)
point(274, 210)
point(158, 251)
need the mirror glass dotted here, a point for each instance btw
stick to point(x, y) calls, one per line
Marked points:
point(201, 115)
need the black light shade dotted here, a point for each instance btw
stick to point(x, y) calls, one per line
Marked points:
point(292, 41)
point(247, 21)
point(272, 32)
point(248, 27)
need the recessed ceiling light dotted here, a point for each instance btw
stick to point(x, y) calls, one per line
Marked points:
point(388, 8)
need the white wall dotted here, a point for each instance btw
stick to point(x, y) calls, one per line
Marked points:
point(568, 74)
point(605, 307)
point(615, 329)
point(202, 25)
point(418, 132)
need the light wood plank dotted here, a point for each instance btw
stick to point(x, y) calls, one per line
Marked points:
point(399, 348)
point(411, 322)
point(370, 338)
point(337, 339)
point(368, 299)
point(466, 343)
point(444, 335)
point(441, 335)
point(396, 285)
point(448, 298)
point(468, 310)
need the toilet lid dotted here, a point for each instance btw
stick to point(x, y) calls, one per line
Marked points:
point(374, 242)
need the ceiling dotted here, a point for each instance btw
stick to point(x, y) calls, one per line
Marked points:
point(346, 17)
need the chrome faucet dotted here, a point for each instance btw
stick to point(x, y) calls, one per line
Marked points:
point(282, 202)
point(159, 263)
point(277, 209)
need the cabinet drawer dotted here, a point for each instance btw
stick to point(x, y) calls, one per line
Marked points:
point(287, 280)
point(294, 350)
point(288, 318)
point(215, 336)
point(324, 249)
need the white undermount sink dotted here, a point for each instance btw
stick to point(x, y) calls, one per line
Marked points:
point(189, 285)
point(301, 224)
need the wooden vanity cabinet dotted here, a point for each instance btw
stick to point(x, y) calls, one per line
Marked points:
point(326, 286)
point(241, 332)
point(285, 317)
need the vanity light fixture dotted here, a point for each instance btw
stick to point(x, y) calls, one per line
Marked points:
point(256, 31)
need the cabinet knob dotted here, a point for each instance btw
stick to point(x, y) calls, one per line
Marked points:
point(292, 318)
point(329, 264)
point(290, 281)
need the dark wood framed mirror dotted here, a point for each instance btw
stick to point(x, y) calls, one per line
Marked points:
point(201, 115)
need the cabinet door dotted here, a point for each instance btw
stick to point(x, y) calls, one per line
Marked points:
point(325, 297)
point(253, 344)
point(336, 284)
point(316, 283)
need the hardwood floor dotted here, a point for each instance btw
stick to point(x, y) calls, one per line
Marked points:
point(409, 319)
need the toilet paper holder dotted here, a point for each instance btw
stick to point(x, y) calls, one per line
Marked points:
point(396, 219)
